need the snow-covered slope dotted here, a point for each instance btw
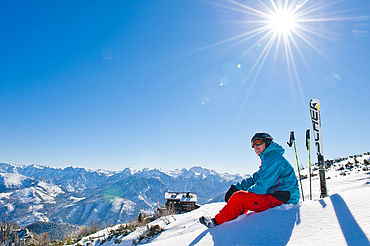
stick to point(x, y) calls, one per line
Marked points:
point(342, 218)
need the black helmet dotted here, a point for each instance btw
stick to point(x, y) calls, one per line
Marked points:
point(264, 136)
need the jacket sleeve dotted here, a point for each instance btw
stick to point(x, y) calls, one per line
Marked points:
point(266, 177)
point(245, 184)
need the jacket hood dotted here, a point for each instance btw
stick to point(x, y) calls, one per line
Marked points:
point(273, 148)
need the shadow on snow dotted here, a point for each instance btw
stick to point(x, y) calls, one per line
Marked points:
point(351, 230)
point(271, 227)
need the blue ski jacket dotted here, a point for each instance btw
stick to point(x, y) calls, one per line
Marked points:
point(275, 176)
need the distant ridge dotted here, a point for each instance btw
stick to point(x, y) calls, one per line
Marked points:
point(32, 193)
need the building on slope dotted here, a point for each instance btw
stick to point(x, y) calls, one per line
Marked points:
point(179, 202)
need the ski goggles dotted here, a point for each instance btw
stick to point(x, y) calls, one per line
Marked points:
point(257, 142)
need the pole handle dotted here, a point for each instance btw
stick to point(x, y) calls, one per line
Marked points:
point(291, 139)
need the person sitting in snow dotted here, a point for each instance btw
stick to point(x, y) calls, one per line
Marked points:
point(274, 184)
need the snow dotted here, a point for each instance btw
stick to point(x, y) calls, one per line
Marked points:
point(51, 189)
point(41, 193)
point(5, 195)
point(342, 218)
point(76, 199)
point(181, 196)
point(173, 173)
point(229, 177)
point(140, 197)
point(119, 204)
point(27, 195)
point(9, 208)
point(36, 216)
point(335, 182)
point(12, 179)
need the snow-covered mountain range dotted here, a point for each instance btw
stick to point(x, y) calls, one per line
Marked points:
point(81, 196)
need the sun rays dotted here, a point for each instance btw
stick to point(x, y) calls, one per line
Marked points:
point(279, 36)
point(282, 27)
point(280, 24)
point(280, 30)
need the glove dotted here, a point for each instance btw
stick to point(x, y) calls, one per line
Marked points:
point(230, 192)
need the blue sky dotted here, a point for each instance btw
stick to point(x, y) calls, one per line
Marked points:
point(116, 84)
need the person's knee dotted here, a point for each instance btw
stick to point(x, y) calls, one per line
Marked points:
point(237, 195)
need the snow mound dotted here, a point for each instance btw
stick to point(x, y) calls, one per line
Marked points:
point(341, 219)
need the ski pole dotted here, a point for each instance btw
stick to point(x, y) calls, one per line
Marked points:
point(290, 143)
point(308, 147)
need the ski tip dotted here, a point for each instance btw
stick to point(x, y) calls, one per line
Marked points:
point(315, 103)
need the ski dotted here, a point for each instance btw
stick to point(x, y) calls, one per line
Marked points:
point(308, 147)
point(316, 127)
point(290, 143)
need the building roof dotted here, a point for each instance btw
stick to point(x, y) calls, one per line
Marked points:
point(181, 196)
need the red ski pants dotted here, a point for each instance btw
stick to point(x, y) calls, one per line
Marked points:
point(242, 201)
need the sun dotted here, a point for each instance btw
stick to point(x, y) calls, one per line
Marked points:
point(283, 21)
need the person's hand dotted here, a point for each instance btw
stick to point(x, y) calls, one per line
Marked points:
point(230, 192)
